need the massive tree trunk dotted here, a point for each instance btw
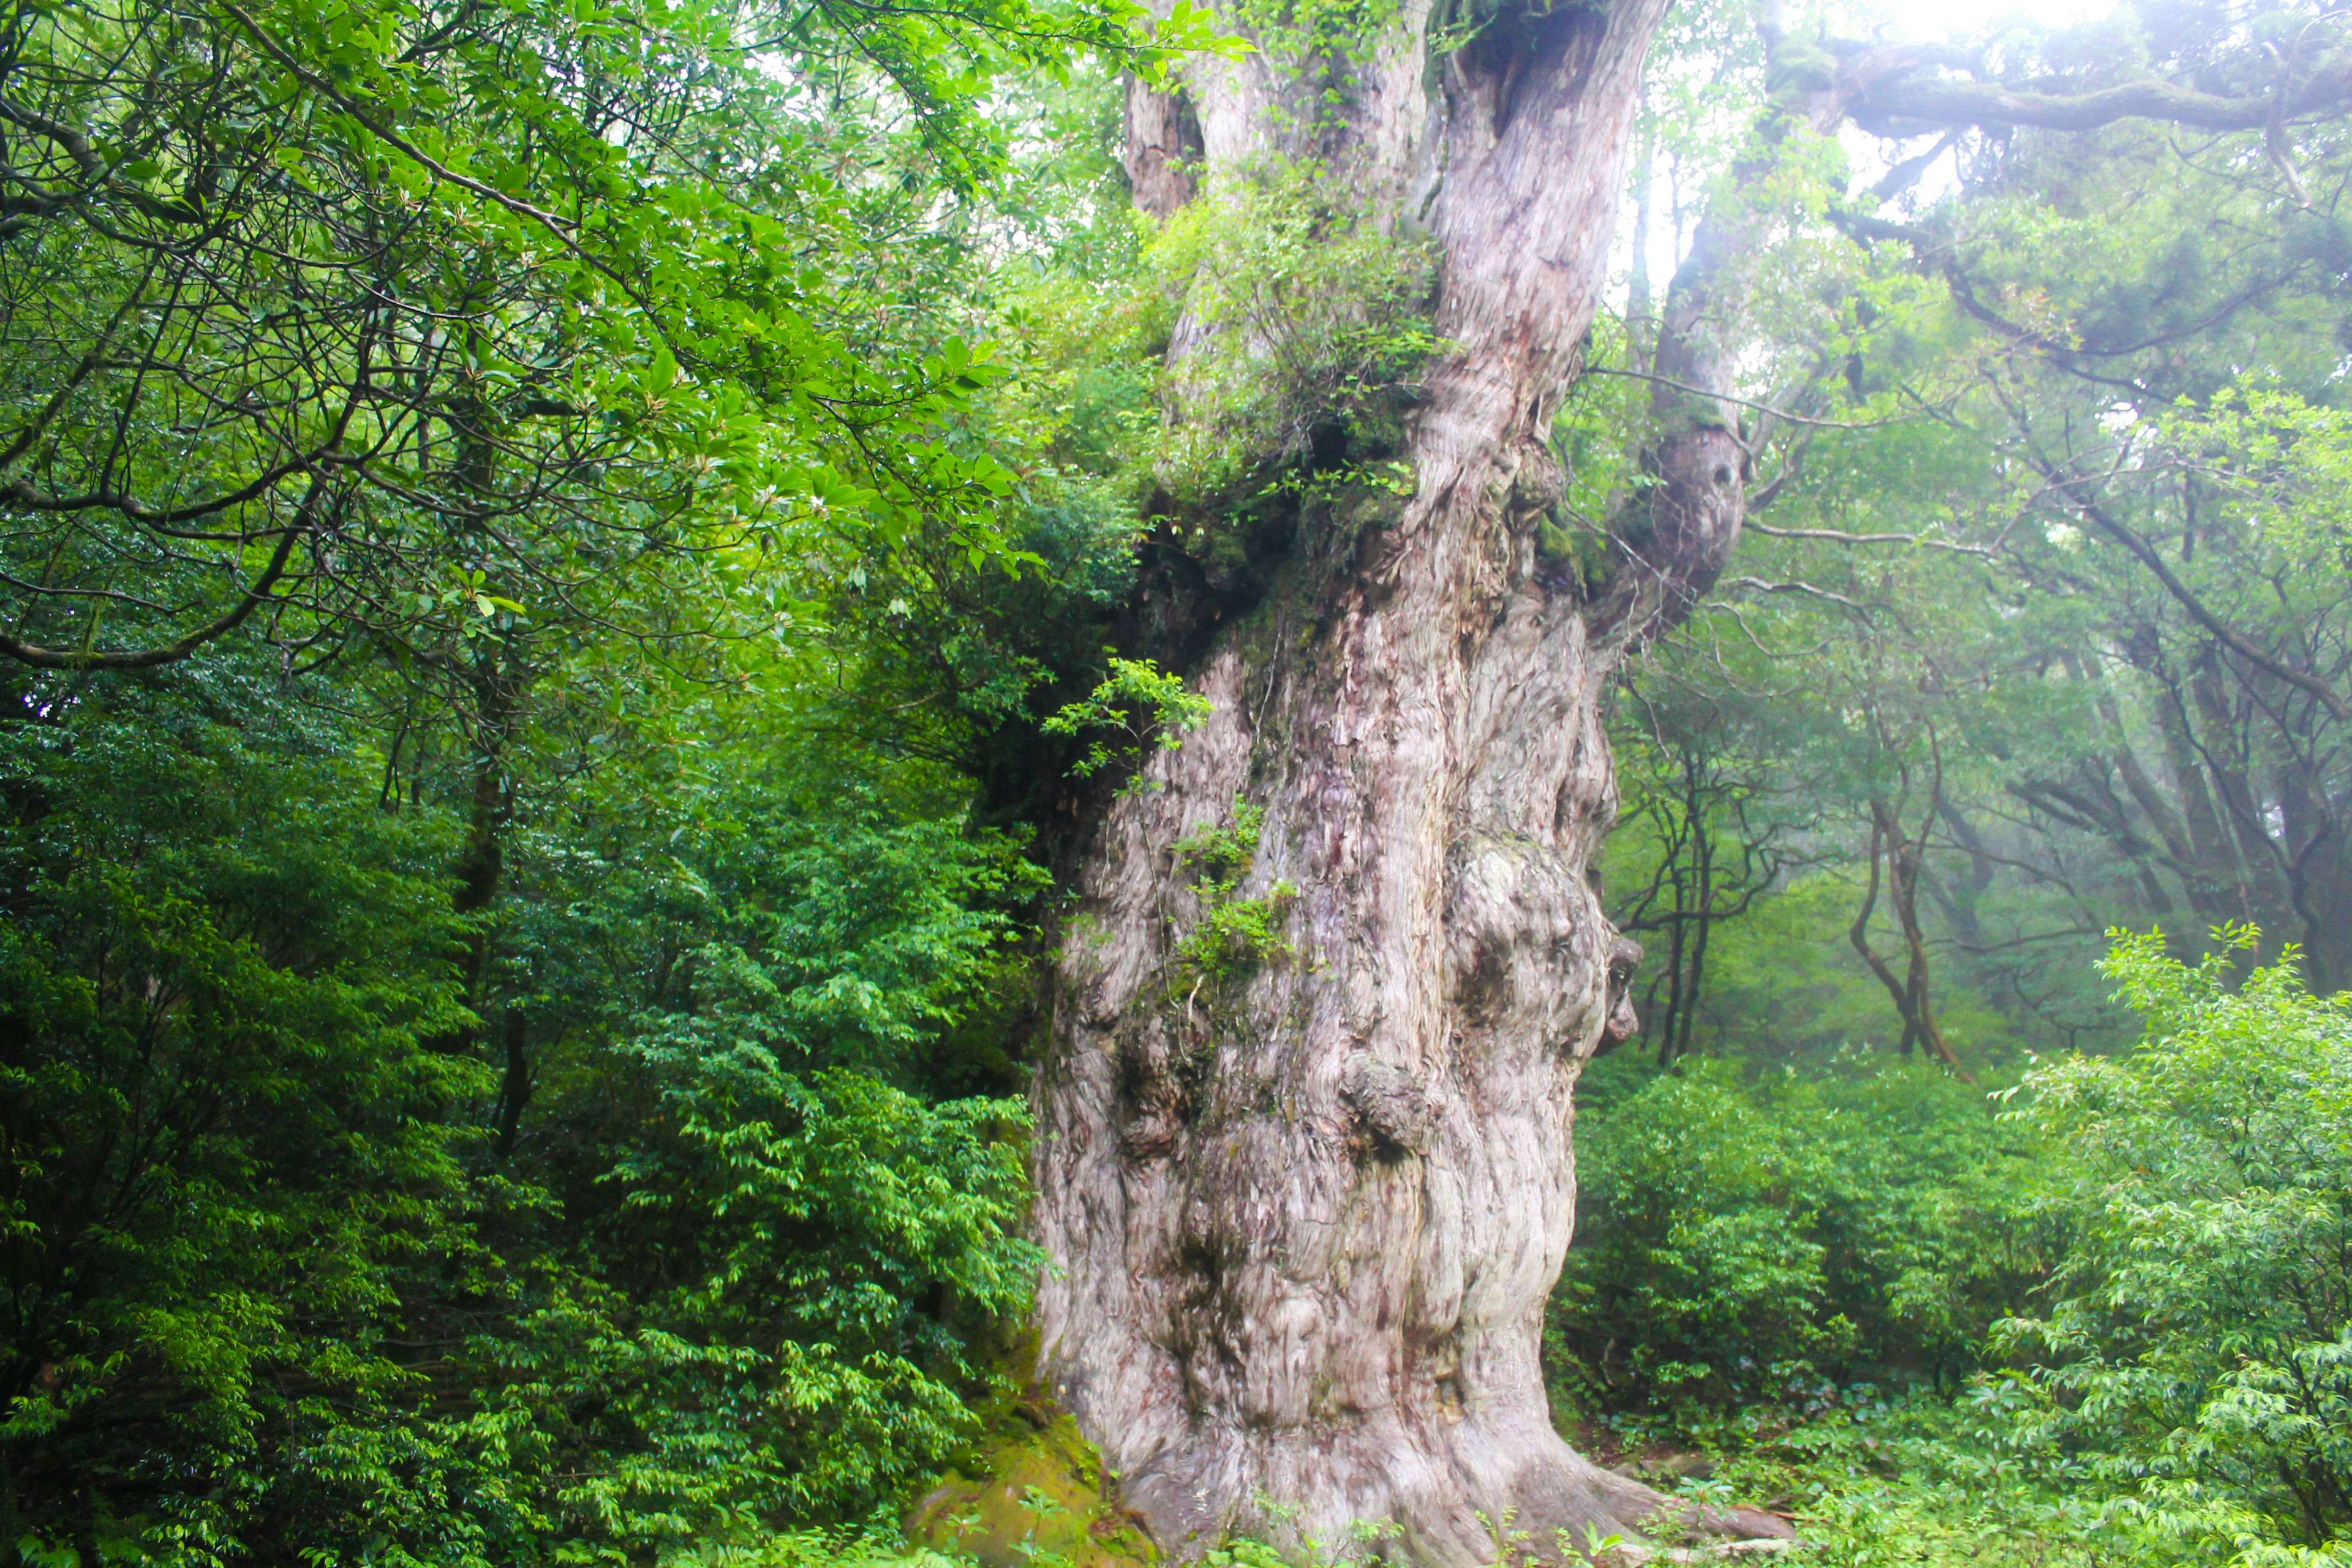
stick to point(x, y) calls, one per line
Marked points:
point(1303, 1157)
point(1306, 1192)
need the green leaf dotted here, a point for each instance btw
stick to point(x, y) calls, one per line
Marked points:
point(662, 375)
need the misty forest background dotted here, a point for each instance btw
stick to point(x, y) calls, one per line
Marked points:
point(567, 574)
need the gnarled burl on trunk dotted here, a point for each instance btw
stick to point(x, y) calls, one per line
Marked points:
point(1306, 1192)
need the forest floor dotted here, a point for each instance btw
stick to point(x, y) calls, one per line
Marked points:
point(1917, 1481)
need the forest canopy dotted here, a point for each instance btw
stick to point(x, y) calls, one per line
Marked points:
point(740, 746)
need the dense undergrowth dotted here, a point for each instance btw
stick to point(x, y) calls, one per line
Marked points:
point(748, 1259)
point(2102, 1315)
point(283, 1276)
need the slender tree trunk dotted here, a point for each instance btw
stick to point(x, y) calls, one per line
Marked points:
point(1640, 330)
point(2225, 751)
point(2220, 889)
point(1906, 857)
point(1969, 894)
point(1703, 847)
point(1677, 937)
point(2314, 844)
point(1307, 1196)
point(1689, 1023)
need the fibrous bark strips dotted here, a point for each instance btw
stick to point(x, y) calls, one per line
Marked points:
point(1306, 1201)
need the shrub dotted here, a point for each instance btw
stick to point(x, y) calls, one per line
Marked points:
point(1758, 1242)
point(275, 1290)
point(229, 1167)
point(2197, 1352)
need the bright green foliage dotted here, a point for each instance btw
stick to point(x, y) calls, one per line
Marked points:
point(768, 1355)
point(1031, 1487)
point(1220, 857)
point(1318, 41)
point(402, 334)
point(1232, 935)
point(1138, 701)
point(1314, 321)
point(2173, 1219)
point(821, 933)
point(1923, 1482)
point(1762, 1244)
point(2197, 1350)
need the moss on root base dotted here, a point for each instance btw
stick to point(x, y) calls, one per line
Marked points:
point(1033, 1492)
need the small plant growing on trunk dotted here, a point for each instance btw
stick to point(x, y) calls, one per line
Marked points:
point(1234, 935)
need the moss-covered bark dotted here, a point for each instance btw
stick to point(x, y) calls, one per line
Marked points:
point(1305, 1209)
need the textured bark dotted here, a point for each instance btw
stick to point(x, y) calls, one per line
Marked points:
point(1306, 1205)
point(1163, 150)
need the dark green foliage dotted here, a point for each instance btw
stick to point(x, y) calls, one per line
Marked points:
point(273, 1285)
point(506, 1057)
point(2195, 1352)
point(1764, 1242)
point(230, 1167)
point(266, 1291)
point(508, 1036)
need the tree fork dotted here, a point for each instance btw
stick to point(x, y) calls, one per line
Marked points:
point(1305, 1204)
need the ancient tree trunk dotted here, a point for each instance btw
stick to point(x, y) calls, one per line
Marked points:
point(1303, 1155)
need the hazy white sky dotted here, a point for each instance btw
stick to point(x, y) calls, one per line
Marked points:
point(1945, 18)
point(1923, 20)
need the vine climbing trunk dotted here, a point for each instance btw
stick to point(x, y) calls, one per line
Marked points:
point(1303, 1161)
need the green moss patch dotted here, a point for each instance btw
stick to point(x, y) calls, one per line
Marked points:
point(1034, 1491)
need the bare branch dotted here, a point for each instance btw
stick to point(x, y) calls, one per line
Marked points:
point(256, 595)
point(2069, 484)
point(1833, 536)
point(1750, 403)
point(1758, 586)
